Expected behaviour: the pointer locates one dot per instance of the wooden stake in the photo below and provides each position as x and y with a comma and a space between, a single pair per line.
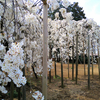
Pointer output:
45, 44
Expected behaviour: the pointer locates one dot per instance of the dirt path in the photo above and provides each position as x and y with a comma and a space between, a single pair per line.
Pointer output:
71, 91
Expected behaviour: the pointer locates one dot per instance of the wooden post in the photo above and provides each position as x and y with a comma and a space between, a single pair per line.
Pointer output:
84, 59
45, 54
11, 90
24, 87
62, 73
88, 62
73, 60
76, 56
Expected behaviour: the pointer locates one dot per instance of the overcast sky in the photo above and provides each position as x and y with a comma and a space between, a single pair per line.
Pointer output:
91, 8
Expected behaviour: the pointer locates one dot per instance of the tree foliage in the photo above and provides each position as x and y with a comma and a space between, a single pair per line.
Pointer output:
78, 12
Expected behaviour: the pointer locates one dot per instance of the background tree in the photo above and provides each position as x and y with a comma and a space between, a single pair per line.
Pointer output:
78, 12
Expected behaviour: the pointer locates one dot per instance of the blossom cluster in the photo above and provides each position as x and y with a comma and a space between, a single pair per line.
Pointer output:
2, 51
38, 95
61, 35
3, 82
13, 63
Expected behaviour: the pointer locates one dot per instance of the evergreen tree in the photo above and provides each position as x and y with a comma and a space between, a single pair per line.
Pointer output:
78, 12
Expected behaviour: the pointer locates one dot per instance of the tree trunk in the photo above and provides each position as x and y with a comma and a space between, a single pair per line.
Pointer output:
19, 93
84, 59
92, 58
98, 59
88, 62
24, 87
34, 71
50, 57
11, 90
55, 68
73, 60
62, 73
76, 56
68, 60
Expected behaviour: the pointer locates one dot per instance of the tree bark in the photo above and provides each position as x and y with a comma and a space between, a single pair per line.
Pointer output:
24, 87
55, 68
19, 93
68, 60
73, 60
11, 90
84, 59
50, 57
76, 56
88, 62
92, 58
98, 58
62, 73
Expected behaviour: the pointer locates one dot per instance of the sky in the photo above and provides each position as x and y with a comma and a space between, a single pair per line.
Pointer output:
91, 8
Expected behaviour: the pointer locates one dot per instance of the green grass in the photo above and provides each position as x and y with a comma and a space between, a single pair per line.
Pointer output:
54, 77
57, 77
